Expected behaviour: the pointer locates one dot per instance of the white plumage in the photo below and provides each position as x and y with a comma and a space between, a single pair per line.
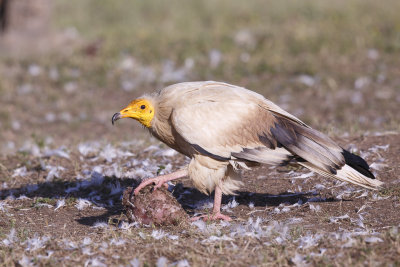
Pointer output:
224, 128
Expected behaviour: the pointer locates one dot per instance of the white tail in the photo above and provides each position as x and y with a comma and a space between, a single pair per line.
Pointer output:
347, 174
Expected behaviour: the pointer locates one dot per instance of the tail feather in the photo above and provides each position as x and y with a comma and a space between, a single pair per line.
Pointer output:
347, 174
357, 163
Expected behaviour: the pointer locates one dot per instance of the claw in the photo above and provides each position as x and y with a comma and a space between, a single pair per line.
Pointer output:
161, 180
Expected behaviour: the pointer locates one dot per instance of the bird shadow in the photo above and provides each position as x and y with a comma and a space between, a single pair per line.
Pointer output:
101, 191
192, 199
107, 193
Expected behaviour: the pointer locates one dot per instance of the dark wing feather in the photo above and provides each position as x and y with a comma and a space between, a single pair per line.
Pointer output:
308, 144
357, 163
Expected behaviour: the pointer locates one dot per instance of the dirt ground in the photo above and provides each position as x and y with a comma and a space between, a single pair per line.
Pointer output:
64, 167
282, 216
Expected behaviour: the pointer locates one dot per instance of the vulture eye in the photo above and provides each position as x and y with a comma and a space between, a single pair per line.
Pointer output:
142, 106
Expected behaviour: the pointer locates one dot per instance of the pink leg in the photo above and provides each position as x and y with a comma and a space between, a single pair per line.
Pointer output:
160, 180
216, 209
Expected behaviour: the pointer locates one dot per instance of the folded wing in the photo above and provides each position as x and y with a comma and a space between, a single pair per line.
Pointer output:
231, 123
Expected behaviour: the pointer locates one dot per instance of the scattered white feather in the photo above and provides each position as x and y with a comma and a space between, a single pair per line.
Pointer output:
173, 237
96, 262
43, 205
166, 152
376, 148
22, 171
11, 238
4, 185
204, 204
299, 260
364, 194
54, 172
215, 57
3, 206
158, 234
285, 209
358, 221
304, 176
100, 225
231, 204
361, 82
200, 224
60, 203
87, 251
363, 207
69, 245
251, 205
127, 226
320, 254
351, 242
59, 152
151, 148
48, 256
319, 186
181, 263
339, 218
36, 243
88, 148
309, 240
26, 261
109, 153
104, 246
365, 154
22, 197
86, 241
378, 166
142, 235
162, 262
117, 242
375, 196
31, 148
315, 208
306, 80
245, 38
214, 238
135, 262
82, 204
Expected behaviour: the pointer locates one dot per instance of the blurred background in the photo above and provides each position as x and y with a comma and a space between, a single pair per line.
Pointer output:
67, 66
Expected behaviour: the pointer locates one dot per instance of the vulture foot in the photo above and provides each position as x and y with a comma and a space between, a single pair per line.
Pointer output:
161, 180
213, 217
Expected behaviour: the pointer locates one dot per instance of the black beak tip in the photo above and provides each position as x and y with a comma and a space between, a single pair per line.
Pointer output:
115, 117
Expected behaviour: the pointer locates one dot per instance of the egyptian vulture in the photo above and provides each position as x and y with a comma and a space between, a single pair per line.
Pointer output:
224, 128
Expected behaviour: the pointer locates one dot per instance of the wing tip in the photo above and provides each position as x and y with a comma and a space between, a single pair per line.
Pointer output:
349, 174
357, 163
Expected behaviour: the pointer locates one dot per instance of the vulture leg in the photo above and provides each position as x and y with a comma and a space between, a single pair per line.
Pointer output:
216, 210
162, 179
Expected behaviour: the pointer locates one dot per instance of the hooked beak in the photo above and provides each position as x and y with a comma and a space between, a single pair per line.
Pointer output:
127, 112
116, 117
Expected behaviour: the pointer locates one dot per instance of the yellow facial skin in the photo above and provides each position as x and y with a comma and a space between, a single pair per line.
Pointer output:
140, 110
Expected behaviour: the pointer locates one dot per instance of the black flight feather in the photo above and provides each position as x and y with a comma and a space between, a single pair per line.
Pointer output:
357, 163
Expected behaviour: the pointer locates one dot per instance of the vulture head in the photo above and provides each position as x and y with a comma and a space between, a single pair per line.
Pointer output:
139, 109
